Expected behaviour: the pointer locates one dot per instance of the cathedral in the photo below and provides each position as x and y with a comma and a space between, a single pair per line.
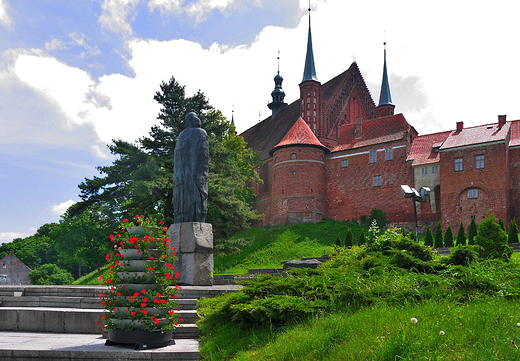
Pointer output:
334, 153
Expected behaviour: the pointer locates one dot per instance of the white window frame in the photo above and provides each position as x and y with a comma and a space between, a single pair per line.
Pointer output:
473, 193
389, 153
373, 156
344, 163
424, 170
377, 181
459, 164
480, 162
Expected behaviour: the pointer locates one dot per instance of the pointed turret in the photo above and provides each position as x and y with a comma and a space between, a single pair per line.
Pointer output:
277, 94
385, 106
310, 91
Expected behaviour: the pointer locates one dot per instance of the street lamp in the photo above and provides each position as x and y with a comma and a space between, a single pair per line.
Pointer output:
421, 196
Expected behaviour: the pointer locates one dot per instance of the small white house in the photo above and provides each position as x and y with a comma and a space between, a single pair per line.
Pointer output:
13, 271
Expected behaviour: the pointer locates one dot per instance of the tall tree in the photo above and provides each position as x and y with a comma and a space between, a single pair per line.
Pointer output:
140, 179
448, 237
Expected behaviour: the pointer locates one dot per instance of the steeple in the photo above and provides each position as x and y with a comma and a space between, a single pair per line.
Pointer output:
277, 94
385, 106
309, 72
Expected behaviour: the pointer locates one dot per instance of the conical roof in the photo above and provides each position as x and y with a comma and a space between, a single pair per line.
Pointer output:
299, 134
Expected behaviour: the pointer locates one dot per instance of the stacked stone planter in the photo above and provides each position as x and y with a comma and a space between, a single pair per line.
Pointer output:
138, 305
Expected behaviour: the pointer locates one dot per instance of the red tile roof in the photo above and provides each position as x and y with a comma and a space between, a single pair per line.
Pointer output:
476, 135
422, 148
376, 131
299, 134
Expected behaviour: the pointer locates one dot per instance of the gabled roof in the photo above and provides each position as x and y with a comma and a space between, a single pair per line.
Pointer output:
299, 134
476, 135
376, 131
422, 151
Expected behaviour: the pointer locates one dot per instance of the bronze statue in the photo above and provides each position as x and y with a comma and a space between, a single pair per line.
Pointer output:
190, 173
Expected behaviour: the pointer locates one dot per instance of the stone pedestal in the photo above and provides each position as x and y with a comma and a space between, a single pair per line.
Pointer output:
194, 244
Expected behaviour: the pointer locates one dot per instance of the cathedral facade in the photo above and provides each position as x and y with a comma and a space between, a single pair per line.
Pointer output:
335, 154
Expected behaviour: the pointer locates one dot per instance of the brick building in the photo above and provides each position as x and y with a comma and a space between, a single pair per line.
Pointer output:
334, 154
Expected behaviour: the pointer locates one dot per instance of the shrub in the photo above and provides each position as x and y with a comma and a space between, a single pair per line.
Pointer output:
338, 241
428, 240
349, 239
448, 237
379, 216
501, 223
464, 255
513, 232
461, 235
472, 232
50, 274
362, 238
439, 241
493, 240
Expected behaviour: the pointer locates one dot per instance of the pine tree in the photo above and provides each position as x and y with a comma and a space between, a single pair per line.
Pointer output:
461, 235
338, 241
428, 240
513, 232
361, 239
439, 241
472, 232
501, 223
349, 239
448, 237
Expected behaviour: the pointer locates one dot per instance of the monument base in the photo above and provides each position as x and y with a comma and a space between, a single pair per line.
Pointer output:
194, 244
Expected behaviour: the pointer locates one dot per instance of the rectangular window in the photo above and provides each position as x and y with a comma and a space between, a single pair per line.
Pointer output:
389, 153
424, 170
344, 163
377, 181
373, 156
458, 165
479, 162
435, 169
473, 193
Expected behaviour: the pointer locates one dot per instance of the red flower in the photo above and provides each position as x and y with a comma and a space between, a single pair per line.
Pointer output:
136, 294
181, 319
137, 216
161, 222
177, 274
150, 269
143, 304
163, 301
102, 303
143, 291
133, 313
125, 220
107, 256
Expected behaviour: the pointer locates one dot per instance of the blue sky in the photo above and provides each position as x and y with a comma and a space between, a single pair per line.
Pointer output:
76, 74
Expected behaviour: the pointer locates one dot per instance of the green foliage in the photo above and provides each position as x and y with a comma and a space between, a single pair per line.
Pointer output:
501, 223
448, 237
338, 241
428, 240
513, 232
349, 238
493, 239
439, 240
472, 232
461, 235
229, 246
50, 274
464, 255
362, 239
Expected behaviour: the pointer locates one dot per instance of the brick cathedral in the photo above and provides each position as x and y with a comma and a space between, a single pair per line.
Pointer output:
335, 154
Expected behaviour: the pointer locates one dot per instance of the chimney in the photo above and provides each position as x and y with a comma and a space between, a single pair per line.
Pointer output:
359, 130
460, 125
501, 121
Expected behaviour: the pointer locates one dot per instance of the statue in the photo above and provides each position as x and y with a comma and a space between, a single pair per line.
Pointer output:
190, 173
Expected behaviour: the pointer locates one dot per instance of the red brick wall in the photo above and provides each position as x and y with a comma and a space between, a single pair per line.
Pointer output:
492, 183
298, 191
350, 190
514, 174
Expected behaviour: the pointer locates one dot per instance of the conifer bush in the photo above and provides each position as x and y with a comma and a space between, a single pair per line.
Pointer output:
461, 235
472, 232
349, 239
501, 223
448, 237
338, 241
493, 239
513, 232
428, 240
362, 238
439, 241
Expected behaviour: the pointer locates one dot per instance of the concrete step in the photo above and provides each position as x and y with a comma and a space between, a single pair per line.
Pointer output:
70, 320
190, 292
23, 346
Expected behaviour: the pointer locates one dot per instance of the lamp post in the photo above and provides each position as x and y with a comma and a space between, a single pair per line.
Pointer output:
422, 196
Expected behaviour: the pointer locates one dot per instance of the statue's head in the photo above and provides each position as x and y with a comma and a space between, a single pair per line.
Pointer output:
192, 121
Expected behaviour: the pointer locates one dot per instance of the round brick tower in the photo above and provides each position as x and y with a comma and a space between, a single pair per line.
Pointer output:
298, 192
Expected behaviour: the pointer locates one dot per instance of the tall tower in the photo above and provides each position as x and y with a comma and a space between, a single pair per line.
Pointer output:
277, 94
385, 106
310, 91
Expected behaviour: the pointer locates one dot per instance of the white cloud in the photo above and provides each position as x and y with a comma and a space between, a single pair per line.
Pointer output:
198, 10
59, 209
114, 16
6, 237
5, 19
73, 39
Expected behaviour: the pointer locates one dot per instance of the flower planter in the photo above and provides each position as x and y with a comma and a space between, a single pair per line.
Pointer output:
139, 304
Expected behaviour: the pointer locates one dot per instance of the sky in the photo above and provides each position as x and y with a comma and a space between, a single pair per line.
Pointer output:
76, 74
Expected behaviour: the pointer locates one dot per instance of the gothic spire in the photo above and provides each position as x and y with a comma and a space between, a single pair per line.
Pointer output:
309, 72
384, 97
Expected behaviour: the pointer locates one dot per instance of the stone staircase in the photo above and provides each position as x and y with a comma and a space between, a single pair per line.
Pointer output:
35, 321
